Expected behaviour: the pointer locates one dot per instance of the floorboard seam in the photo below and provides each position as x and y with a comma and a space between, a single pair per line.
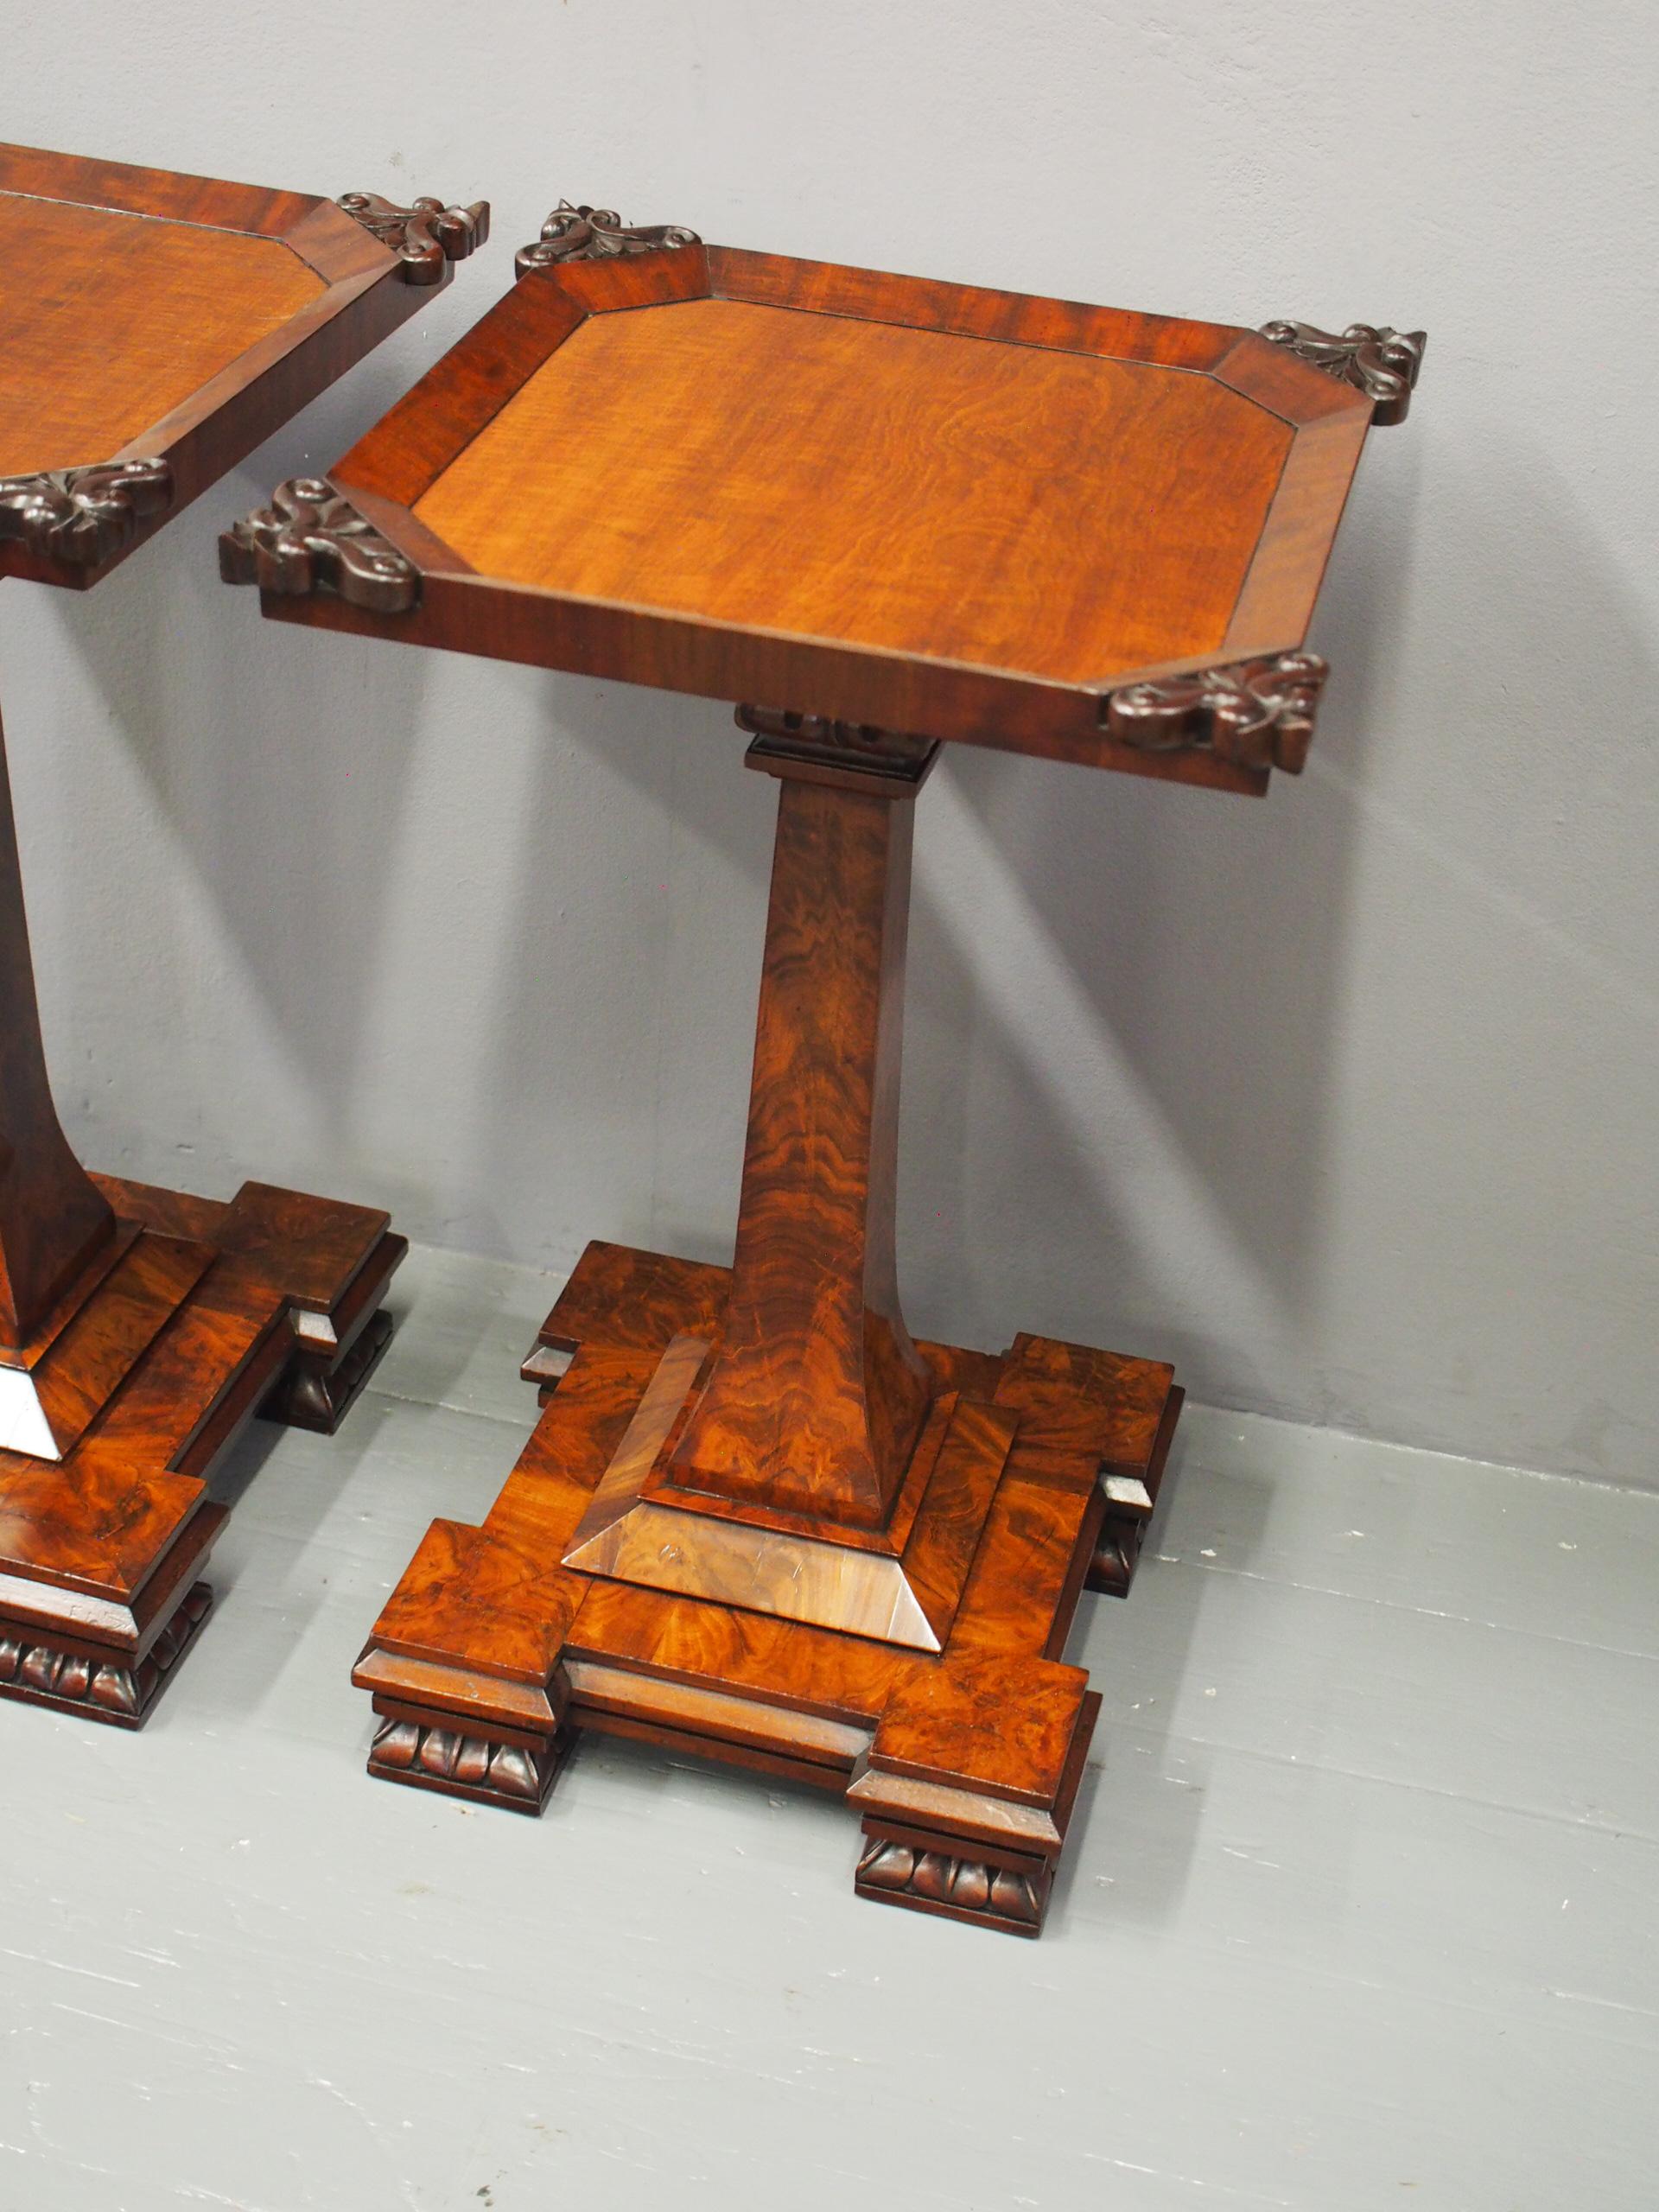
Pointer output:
1397, 1605
1626, 1834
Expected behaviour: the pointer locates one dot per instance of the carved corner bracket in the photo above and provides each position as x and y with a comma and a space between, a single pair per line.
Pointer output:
862, 754
423, 237
584, 233
1382, 363
84, 516
1257, 714
310, 539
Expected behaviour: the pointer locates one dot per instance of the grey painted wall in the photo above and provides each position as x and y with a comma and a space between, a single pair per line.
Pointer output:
1347, 1101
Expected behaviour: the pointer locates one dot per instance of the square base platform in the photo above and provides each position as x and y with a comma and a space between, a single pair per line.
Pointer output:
962, 1764
274, 1310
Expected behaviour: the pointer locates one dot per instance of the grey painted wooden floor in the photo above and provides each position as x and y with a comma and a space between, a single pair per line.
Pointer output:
1359, 1912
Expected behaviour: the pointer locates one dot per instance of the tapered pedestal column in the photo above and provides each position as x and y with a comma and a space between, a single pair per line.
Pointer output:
139, 1330
757, 1520
55, 1226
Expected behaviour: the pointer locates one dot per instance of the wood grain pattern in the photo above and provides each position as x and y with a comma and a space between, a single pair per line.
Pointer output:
785, 1534
212, 203
994, 505
175, 320
99, 1549
1283, 583
967, 310
53, 1220
59, 403
901, 1586
983, 1725
467, 614
819, 1397
140, 1329
864, 496
57, 1397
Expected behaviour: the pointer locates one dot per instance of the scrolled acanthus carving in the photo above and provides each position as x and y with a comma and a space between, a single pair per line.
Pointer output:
310, 539
584, 233
84, 516
1382, 363
424, 236
1257, 714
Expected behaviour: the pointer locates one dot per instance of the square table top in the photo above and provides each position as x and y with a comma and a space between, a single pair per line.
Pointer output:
955, 512
157, 327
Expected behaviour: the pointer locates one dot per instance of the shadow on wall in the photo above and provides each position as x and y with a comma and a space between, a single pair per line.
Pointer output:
289, 821
703, 884
1199, 939
1204, 947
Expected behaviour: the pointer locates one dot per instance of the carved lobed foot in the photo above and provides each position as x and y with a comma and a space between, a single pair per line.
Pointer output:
482, 1767
317, 1397
43, 1673
1010, 1898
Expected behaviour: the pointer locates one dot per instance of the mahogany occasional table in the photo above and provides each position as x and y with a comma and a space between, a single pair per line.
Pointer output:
157, 327
757, 1520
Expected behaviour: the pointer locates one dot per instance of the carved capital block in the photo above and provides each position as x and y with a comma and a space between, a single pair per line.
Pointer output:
84, 516
1257, 714
310, 539
585, 233
424, 236
859, 754
1382, 363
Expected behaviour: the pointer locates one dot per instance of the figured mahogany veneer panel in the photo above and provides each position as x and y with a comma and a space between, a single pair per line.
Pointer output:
173, 303
913, 491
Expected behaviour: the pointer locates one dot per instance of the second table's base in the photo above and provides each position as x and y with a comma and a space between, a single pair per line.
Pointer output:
962, 1764
102, 1550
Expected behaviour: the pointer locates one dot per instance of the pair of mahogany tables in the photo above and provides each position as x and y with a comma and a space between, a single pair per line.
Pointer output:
757, 1519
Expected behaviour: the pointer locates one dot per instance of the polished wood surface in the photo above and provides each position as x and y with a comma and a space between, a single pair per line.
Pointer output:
490, 1651
819, 1397
102, 1549
172, 303
157, 327
871, 497
169, 323
757, 1521
53, 1221
969, 501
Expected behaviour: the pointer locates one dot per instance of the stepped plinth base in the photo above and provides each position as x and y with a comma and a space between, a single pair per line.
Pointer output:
205, 1314
962, 1762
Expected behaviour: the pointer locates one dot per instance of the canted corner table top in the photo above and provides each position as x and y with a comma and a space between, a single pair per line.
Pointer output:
965, 513
156, 326
905, 490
